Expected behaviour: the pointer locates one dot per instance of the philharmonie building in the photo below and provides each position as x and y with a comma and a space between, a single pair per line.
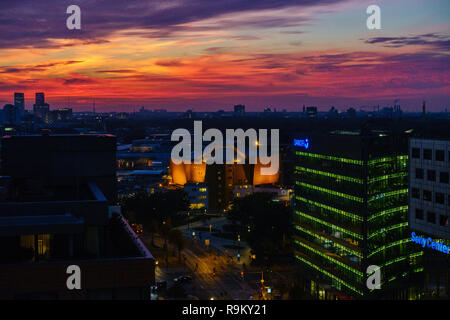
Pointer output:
222, 180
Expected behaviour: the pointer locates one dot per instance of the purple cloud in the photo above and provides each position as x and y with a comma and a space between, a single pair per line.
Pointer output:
436, 41
35, 68
27, 23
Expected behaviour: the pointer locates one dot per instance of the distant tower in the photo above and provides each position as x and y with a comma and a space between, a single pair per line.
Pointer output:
239, 109
40, 98
41, 108
424, 109
19, 101
93, 107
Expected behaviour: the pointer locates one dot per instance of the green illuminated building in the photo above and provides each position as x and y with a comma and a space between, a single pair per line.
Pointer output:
350, 212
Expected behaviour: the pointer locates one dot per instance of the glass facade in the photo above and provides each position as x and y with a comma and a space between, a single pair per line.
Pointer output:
352, 212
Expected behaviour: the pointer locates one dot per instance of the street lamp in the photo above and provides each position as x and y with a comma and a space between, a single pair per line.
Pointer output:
189, 220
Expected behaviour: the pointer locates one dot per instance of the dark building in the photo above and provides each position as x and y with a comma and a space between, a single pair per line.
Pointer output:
10, 114
311, 112
58, 208
429, 209
19, 101
351, 212
40, 108
40, 98
239, 110
58, 115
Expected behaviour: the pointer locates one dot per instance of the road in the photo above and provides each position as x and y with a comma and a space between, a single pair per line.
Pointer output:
200, 265
216, 242
201, 262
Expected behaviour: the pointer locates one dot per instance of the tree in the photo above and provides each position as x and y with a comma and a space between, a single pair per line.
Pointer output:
177, 238
158, 206
269, 221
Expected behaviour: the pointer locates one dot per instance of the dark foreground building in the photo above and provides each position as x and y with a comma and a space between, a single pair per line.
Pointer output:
58, 208
351, 212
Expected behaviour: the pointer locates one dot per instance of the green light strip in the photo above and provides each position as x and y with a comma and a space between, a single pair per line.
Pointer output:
412, 255
318, 236
342, 265
355, 235
388, 176
312, 265
324, 206
399, 242
375, 161
385, 212
382, 230
389, 194
329, 174
393, 278
321, 156
332, 192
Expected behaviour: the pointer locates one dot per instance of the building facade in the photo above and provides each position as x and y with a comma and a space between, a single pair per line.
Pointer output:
429, 210
351, 212
58, 208
429, 187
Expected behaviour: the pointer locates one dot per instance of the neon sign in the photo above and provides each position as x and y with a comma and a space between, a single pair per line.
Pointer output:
438, 246
301, 143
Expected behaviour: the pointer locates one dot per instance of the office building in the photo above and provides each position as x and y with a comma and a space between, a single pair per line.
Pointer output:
429, 195
40, 108
9, 115
351, 212
40, 98
198, 195
239, 110
429, 209
58, 209
19, 101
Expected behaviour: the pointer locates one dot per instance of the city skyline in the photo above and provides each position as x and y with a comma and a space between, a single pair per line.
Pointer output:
197, 55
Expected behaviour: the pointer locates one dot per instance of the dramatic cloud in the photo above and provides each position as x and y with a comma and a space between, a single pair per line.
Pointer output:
31, 23
35, 68
204, 54
436, 41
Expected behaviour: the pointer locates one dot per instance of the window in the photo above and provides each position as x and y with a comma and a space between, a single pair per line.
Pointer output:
443, 220
431, 175
419, 173
427, 154
415, 153
431, 217
419, 214
427, 195
443, 177
439, 155
415, 193
439, 197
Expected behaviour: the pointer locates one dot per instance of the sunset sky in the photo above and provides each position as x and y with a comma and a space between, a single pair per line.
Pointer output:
207, 55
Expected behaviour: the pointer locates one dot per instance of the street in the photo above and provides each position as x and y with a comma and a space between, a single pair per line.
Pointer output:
215, 270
